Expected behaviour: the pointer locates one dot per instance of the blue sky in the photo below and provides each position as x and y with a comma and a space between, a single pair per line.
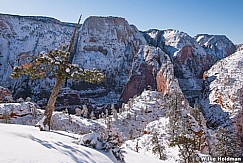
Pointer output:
190, 16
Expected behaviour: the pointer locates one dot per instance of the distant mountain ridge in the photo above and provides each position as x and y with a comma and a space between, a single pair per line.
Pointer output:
130, 58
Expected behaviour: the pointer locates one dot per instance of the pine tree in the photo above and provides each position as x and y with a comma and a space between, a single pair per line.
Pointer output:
123, 109
185, 141
146, 109
181, 134
129, 116
174, 114
129, 103
28, 99
227, 145
6, 116
158, 147
131, 132
56, 64
78, 112
20, 100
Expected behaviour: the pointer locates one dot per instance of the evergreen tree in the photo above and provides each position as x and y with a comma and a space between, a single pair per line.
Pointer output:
6, 116
131, 132
181, 134
123, 109
28, 99
78, 112
158, 147
55, 64
227, 144
174, 114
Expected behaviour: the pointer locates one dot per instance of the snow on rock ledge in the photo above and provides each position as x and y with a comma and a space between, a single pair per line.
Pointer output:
218, 46
223, 92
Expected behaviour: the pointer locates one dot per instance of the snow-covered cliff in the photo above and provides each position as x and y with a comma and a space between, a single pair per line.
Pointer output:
130, 59
219, 46
26, 34
222, 99
109, 44
191, 56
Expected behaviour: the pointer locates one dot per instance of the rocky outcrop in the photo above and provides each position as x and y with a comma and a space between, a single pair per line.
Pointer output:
5, 94
23, 37
109, 44
165, 76
239, 47
190, 56
116, 48
222, 94
218, 46
146, 64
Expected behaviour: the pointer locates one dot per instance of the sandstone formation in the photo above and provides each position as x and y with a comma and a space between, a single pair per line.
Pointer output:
222, 94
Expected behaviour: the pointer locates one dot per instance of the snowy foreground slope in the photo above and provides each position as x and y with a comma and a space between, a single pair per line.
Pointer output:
21, 143
27, 144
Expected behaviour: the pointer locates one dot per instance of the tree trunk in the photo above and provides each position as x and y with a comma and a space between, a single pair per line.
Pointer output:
51, 104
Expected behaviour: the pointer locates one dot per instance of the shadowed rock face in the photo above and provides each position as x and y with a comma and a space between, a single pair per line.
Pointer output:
146, 65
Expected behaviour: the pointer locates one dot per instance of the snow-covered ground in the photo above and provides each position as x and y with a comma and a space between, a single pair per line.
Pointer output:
134, 127
20, 143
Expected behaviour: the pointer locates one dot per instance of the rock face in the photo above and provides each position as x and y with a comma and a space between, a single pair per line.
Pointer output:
219, 46
107, 43
222, 94
4, 94
120, 50
190, 56
146, 65
129, 58
239, 47
165, 76
23, 34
